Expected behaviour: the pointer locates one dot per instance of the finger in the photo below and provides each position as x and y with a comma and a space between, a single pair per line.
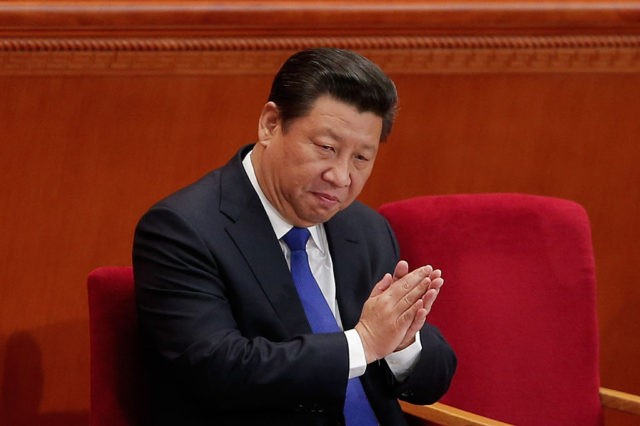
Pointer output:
418, 322
409, 281
411, 296
402, 269
382, 285
436, 273
429, 298
405, 291
428, 269
436, 283
406, 319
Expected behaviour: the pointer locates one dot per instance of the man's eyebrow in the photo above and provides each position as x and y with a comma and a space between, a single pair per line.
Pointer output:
328, 131
370, 147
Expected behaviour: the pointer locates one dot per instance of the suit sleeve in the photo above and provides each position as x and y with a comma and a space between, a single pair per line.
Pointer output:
184, 311
430, 378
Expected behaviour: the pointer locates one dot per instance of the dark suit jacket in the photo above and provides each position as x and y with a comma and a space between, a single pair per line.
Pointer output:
228, 341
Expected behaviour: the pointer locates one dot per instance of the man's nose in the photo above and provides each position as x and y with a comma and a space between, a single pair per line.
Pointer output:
339, 174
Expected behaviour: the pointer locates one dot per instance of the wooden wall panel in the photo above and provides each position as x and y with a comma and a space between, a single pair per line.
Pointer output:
106, 107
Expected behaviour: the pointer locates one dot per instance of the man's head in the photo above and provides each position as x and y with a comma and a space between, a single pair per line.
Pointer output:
342, 74
318, 135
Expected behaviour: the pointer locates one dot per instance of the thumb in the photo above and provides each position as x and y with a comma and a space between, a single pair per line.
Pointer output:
382, 285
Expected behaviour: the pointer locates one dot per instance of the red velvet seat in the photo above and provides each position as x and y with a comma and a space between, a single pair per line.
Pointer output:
518, 305
118, 393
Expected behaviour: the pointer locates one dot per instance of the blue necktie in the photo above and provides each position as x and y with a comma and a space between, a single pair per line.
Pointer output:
357, 411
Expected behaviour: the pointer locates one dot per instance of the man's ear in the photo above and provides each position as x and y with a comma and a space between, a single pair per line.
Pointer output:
269, 122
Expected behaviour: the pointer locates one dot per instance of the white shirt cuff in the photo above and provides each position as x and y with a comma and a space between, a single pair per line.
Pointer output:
357, 358
402, 362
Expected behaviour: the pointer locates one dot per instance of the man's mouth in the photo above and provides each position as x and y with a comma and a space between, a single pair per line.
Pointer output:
327, 198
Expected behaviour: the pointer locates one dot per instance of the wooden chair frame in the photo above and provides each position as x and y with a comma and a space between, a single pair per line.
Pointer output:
443, 414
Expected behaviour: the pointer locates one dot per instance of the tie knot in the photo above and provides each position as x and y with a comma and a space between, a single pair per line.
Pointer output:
296, 238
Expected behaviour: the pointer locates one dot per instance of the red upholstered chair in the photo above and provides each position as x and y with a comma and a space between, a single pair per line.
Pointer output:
118, 393
518, 306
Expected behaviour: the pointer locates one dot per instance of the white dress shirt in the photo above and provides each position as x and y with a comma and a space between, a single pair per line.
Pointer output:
321, 266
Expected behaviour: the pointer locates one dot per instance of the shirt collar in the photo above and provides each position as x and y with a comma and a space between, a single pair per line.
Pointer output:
278, 223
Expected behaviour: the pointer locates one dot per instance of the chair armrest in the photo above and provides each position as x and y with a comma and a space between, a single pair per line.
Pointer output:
446, 415
620, 400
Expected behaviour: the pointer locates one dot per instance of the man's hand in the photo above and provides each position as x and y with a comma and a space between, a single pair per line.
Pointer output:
402, 268
397, 309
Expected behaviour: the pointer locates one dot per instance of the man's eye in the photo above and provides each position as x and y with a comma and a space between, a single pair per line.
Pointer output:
361, 158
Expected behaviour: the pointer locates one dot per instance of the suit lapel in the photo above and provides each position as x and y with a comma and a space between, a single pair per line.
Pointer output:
253, 235
346, 255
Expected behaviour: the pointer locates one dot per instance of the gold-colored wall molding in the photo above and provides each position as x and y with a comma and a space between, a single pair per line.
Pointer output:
260, 55
253, 37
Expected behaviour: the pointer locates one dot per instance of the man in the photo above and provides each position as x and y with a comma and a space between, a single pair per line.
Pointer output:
232, 335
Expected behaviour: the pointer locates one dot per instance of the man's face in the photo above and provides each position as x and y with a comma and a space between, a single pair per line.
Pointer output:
320, 164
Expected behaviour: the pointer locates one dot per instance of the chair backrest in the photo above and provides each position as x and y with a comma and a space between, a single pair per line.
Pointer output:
518, 305
118, 393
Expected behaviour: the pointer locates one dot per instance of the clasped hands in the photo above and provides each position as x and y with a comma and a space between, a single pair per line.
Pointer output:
397, 309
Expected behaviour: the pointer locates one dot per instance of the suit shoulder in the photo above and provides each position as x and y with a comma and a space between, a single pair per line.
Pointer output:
193, 199
365, 222
192, 206
359, 213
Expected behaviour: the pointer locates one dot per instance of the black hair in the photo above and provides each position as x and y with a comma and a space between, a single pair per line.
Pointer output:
342, 74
